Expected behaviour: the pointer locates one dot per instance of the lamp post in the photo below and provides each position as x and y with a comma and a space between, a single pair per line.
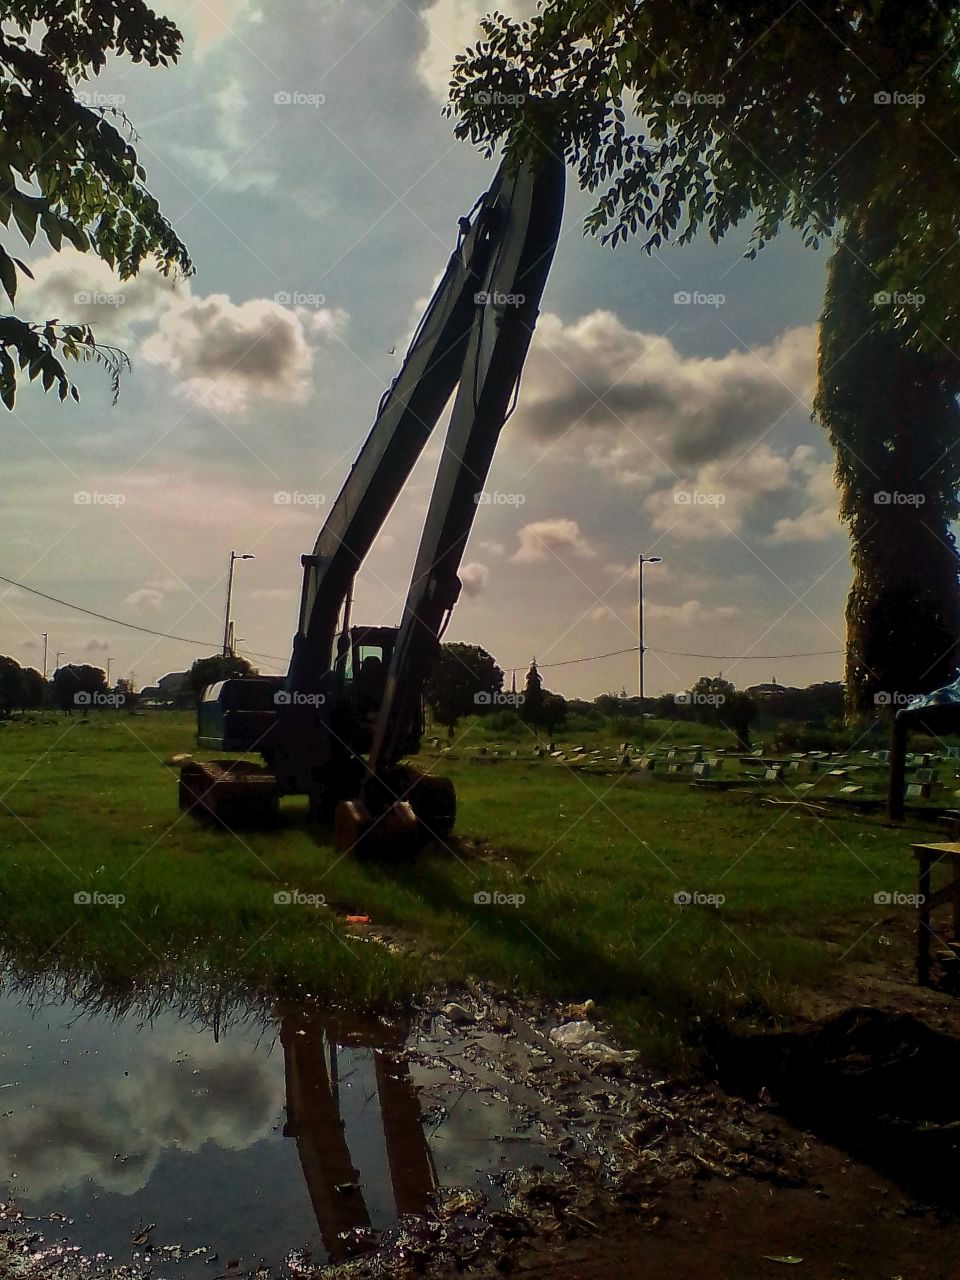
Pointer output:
60, 653
227, 638
641, 561
109, 664
43, 636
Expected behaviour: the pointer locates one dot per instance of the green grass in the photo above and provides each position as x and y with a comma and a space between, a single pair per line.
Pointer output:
87, 805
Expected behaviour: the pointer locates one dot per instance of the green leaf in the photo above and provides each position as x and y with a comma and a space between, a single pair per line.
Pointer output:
8, 275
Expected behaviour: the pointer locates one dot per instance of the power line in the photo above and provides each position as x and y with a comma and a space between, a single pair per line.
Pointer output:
747, 657
541, 666
131, 626
675, 653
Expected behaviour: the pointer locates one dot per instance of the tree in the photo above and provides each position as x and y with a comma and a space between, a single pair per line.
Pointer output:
208, 671
541, 708
128, 693
823, 114
68, 172
898, 470
531, 710
11, 686
464, 681
77, 687
554, 712
718, 701
34, 688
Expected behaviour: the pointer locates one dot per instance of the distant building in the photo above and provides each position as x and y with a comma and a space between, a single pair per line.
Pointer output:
169, 691
761, 692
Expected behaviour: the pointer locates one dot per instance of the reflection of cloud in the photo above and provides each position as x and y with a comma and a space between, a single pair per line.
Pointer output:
546, 538
56, 1145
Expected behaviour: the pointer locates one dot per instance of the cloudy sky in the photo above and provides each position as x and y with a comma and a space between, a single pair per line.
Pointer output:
318, 226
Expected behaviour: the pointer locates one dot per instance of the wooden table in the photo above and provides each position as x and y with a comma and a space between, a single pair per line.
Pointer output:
929, 856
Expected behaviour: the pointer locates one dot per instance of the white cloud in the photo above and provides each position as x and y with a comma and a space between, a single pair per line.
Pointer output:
820, 520
145, 597
154, 592
639, 408
690, 611
451, 26
205, 22
223, 353
475, 578
749, 497
545, 539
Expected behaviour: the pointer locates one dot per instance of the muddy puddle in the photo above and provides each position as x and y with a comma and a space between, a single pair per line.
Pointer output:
289, 1130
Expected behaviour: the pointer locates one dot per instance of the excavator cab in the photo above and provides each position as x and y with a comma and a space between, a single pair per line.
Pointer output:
361, 668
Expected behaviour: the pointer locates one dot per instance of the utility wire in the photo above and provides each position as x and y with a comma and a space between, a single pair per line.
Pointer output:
541, 666
675, 653
131, 626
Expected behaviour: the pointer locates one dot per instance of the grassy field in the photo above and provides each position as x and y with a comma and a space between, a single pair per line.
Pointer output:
786, 899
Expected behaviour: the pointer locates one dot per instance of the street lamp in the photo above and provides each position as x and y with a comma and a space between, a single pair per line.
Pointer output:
43, 636
60, 653
641, 561
227, 639
109, 664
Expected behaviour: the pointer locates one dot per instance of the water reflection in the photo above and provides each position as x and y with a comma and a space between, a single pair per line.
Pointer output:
283, 1131
354, 1114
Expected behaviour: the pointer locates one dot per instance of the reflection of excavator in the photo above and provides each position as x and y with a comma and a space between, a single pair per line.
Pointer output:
351, 705
355, 1159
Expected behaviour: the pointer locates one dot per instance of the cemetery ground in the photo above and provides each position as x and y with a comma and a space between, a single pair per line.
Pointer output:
729, 935
686, 909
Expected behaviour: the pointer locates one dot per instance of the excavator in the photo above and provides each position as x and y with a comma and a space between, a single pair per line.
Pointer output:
339, 725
